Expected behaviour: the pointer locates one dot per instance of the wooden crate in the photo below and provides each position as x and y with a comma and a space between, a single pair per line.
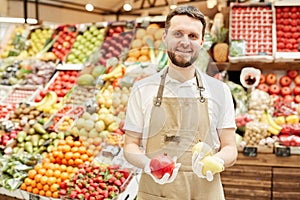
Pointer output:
286, 183
247, 182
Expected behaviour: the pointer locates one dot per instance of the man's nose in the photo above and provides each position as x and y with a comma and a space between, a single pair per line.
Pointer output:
185, 40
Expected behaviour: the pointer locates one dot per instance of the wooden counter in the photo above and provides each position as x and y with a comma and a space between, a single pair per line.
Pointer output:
263, 177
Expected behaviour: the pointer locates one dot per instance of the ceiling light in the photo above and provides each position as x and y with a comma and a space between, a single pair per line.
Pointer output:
127, 7
89, 7
211, 3
172, 4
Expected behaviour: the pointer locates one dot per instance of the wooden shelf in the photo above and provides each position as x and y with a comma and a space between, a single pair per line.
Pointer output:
260, 65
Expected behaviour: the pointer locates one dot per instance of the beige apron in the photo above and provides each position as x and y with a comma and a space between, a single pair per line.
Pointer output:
176, 125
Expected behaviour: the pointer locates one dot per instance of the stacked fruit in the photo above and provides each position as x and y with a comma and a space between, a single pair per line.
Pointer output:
16, 43
46, 177
65, 38
85, 44
282, 88
116, 43
38, 38
287, 28
140, 49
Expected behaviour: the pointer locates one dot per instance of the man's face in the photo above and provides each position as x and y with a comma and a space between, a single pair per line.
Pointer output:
183, 40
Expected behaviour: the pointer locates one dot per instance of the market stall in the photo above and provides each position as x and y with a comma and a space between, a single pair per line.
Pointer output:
64, 91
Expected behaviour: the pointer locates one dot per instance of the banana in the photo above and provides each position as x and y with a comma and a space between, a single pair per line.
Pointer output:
273, 130
273, 123
42, 102
264, 118
50, 99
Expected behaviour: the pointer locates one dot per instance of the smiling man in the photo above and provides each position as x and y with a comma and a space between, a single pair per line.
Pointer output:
171, 111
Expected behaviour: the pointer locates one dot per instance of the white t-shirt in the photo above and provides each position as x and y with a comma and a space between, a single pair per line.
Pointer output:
220, 102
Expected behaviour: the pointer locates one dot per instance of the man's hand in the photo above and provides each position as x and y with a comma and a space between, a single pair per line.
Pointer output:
166, 178
206, 166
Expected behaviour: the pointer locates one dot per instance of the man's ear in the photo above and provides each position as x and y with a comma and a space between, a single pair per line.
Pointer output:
164, 37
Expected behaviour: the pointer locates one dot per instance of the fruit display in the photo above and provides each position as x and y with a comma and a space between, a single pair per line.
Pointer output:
106, 182
282, 87
117, 41
86, 43
38, 38
251, 30
11, 74
287, 31
16, 45
80, 94
147, 45
4, 91
21, 94
64, 37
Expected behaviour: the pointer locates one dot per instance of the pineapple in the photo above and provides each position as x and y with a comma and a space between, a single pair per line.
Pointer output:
220, 49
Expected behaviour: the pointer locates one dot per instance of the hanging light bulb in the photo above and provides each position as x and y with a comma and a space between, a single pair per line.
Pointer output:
211, 3
128, 5
89, 7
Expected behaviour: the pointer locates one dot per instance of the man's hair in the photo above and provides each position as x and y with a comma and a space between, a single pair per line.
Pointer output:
190, 11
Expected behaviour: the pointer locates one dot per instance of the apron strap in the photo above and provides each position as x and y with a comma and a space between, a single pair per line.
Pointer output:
158, 99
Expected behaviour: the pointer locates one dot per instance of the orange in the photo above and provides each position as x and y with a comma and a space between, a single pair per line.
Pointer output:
82, 149
42, 193
62, 142
64, 161
49, 172
64, 176
66, 148
74, 149
29, 189
23, 186
46, 187
44, 180
38, 167
27, 181
51, 180
71, 162
76, 155
55, 154
42, 171
69, 169
32, 173
57, 173
77, 144
69, 155
78, 162
55, 194
33, 184
35, 191
84, 157
48, 193
63, 168
39, 186
70, 143
54, 187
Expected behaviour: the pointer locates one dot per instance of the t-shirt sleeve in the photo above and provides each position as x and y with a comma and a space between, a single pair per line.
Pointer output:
134, 114
227, 116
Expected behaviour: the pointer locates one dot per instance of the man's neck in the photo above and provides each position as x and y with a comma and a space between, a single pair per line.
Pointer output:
181, 74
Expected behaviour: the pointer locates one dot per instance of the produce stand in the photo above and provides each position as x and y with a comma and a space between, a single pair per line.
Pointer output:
74, 81
265, 176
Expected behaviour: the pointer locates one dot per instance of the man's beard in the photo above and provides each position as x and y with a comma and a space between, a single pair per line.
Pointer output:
183, 63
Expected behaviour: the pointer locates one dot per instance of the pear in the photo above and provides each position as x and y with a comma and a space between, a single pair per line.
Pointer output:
209, 163
202, 147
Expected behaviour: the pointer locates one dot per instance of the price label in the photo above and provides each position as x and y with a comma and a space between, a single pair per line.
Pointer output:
283, 151
33, 197
250, 151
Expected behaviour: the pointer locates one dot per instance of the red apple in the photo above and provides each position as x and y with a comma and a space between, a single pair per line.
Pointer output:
297, 98
297, 80
262, 78
296, 90
271, 78
285, 81
288, 99
274, 89
286, 91
161, 164
264, 87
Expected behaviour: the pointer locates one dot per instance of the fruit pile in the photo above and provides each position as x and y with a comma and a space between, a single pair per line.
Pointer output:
282, 87
287, 28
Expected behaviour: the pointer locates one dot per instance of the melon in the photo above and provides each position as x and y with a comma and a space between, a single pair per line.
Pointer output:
86, 80
98, 70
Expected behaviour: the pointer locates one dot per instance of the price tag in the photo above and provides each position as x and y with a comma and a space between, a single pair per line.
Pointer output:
33, 197
283, 151
250, 151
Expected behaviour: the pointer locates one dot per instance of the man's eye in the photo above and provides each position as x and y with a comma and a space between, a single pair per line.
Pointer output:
193, 36
177, 34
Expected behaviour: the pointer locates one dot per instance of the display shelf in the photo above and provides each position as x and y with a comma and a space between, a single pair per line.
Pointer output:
260, 65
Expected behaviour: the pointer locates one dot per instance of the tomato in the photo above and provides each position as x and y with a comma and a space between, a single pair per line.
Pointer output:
72, 79
57, 87
38, 98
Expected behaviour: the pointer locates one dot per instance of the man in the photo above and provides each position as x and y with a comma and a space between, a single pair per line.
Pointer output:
171, 111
